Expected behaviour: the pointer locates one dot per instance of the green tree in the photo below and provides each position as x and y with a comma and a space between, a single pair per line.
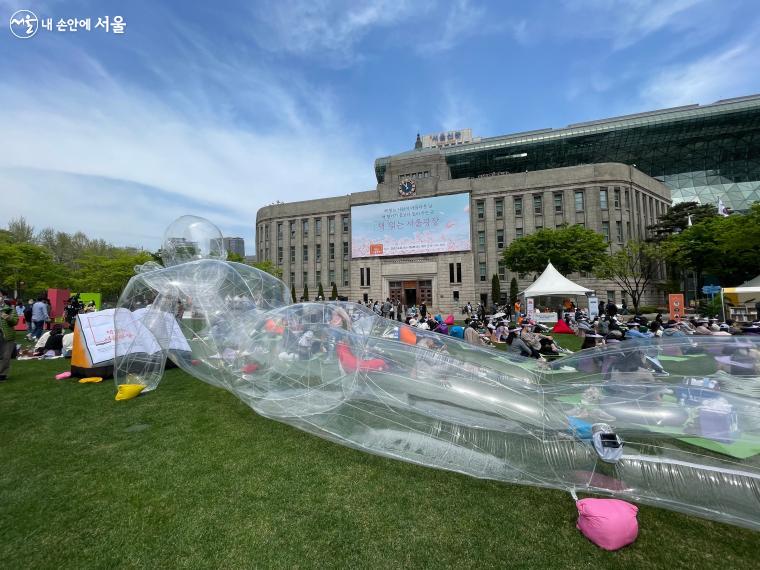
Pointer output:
305, 292
236, 257
31, 265
633, 268
20, 230
570, 249
107, 275
269, 267
513, 291
676, 219
334, 294
495, 289
321, 292
293, 292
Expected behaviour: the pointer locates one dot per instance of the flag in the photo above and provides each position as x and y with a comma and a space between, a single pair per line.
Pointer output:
722, 208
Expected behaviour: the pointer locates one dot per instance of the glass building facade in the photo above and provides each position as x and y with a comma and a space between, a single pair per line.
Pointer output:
702, 152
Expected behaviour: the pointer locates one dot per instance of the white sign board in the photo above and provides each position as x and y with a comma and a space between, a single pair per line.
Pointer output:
593, 307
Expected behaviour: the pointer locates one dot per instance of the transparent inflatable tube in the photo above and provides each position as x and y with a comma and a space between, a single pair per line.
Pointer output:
340, 372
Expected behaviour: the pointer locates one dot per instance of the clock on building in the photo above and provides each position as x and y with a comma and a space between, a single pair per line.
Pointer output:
407, 188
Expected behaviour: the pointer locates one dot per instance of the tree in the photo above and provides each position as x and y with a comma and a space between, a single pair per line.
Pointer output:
495, 289
30, 264
320, 292
20, 230
633, 268
107, 275
293, 292
235, 257
513, 291
334, 294
570, 249
305, 292
269, 267
676, 219
727, 247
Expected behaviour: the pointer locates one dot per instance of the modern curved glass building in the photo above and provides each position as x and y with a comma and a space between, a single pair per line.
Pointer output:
702, 152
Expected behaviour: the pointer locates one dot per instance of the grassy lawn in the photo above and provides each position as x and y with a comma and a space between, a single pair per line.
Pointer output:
188, 476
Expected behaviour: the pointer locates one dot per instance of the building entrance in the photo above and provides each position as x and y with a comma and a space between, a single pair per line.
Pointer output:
411, 292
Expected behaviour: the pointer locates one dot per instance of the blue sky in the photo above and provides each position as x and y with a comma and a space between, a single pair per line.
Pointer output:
216, 109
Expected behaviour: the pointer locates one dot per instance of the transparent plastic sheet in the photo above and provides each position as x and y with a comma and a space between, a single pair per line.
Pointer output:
687, 409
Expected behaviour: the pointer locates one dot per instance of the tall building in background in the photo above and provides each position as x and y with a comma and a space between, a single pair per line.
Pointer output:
235, 245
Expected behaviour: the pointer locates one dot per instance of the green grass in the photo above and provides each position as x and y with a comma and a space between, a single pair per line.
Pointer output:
188, 476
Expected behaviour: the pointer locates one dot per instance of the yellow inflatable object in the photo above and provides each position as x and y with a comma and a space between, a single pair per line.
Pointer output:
90, 380
128, 391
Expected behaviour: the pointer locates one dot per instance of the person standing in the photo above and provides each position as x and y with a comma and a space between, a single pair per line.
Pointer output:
39, 316
399, 314
8, 320
423, 310
387, 307
28, 319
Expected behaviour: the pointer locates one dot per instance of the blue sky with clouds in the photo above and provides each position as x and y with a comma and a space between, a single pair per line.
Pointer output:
218, 108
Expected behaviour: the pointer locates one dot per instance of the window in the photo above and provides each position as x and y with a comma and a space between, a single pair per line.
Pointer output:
361, 277
481, 208
539, 227
616, 197
481, 241
611, 296
451, 273
279, 255
518, 206
345, 251
538, 204
266, 232
456, 295
499, 208
318, 277
579, 201
628, 230
318, 253
603, 197
331, 224
619, 227
345, 277
279, 230
558, 205
500, 239
305, 278
331, 251
292, 254
292, 229
459, 272
318, 226
292, 278
518, 233
502, 271
606, 231
305, 253
344, 221
482, 271
331, 274
305, 228
366, 274
627, 199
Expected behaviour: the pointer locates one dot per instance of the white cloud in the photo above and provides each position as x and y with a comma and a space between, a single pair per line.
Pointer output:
457, 111
462, 20
93, 149
720, 75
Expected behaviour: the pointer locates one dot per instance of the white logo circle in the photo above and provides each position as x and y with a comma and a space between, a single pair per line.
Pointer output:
24, 24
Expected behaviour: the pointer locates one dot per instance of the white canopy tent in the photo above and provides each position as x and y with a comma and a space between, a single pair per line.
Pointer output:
742, 299
553, 283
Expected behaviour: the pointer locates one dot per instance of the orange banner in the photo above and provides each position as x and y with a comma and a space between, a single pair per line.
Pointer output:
675, 306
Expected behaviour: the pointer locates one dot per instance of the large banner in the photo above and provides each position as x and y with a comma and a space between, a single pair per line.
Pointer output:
408, 227
593, 307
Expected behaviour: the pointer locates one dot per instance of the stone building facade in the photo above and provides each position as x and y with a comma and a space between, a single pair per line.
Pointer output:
311, 240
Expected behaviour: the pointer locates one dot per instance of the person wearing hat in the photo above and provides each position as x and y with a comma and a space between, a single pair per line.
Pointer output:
8, 320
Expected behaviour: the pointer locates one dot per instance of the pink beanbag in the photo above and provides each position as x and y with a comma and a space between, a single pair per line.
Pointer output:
63, 375
609, 523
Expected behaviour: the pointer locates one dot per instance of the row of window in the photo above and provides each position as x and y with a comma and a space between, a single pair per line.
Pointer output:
423, 174
317, 253
318, 278
364, 277
305, 225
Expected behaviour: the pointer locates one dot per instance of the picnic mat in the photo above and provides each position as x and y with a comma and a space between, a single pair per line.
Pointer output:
745, 446
667, 358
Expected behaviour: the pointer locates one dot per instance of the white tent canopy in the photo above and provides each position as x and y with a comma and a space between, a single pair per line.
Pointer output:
751, 286
552, 282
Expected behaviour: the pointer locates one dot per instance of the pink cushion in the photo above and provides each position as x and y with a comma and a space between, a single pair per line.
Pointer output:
608, 523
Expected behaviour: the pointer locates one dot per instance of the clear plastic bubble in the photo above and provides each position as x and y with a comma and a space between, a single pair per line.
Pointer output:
189, 238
